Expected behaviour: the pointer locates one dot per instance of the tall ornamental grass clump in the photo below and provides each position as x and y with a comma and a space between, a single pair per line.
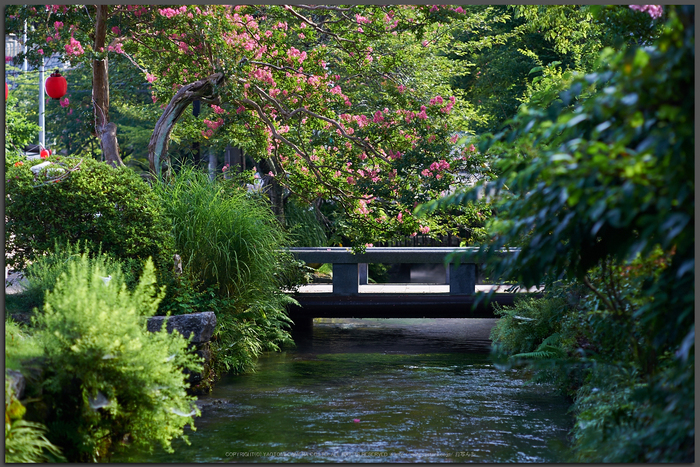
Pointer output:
233, 252
107, 380
225, 236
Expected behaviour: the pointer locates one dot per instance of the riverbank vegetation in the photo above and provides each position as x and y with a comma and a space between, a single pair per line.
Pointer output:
596, 188
96, 378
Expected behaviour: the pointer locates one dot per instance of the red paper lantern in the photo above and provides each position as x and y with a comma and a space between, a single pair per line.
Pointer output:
44, 153
7, 90
56, 85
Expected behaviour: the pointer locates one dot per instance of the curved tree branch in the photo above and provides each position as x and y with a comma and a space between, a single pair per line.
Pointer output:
203, 89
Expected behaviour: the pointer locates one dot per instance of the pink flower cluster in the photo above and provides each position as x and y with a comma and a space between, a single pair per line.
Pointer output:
116, 48
150, 78
655, 11
169, 12
214, 125
440, 166
74, 48
294, 53
217, 110
64, 102
394, 155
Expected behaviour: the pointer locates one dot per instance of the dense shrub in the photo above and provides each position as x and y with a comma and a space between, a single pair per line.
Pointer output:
107, 380
96, 204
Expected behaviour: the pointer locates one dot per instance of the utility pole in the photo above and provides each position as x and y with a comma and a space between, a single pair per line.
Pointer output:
42, 97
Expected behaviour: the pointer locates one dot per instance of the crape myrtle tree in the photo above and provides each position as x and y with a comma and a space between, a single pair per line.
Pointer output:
320, 94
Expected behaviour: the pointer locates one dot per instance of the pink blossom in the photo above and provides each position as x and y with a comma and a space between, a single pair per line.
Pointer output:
74, 47
361, 19
424, 229
49, 39
459, 9
116, 30
351, 180
400, 217
401, 88
217, 109
655, 11
64, 102
40, 52
367, 245
58, 25
150, 78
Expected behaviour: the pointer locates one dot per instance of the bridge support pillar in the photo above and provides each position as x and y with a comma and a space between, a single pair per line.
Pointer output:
345, 278
364, 273
462, 278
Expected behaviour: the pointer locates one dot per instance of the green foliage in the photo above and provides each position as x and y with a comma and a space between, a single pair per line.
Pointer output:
303, 225
19, 345
19, 130
225, 237
25, 442
242, 336
620, 419
234, 263
597, 187
524, 326
107, 379
109, 209
41, 275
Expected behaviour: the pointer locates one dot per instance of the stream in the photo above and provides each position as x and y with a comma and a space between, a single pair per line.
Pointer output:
378, 390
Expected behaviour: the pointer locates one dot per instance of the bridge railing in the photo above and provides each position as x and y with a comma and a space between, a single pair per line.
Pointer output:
350, 270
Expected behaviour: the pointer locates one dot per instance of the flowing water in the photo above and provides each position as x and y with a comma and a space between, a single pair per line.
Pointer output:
417, 390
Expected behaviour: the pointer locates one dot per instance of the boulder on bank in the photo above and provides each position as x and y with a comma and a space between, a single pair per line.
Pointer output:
199, 325
17, 382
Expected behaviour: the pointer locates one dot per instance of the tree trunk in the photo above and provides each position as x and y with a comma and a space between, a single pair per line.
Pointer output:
273, 189
204, 90
106, 131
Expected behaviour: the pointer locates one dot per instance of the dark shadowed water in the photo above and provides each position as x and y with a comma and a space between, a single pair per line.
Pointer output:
417, 390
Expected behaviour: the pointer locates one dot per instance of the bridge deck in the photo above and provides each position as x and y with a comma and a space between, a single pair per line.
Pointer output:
403, 288
399, 301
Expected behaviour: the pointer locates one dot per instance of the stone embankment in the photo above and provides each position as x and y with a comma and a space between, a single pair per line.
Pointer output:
201, 327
